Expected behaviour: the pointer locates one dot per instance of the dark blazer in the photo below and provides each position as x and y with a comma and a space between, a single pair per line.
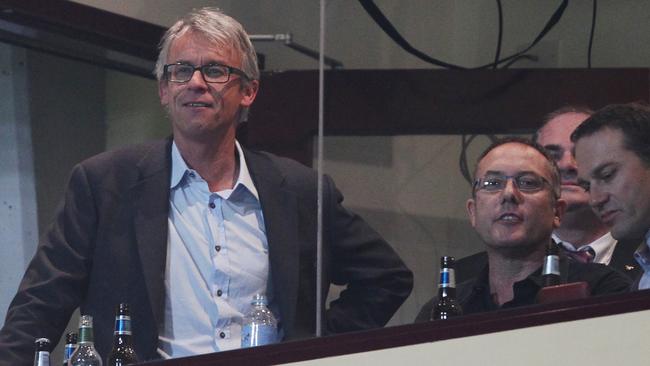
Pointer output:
108, 244
623, 258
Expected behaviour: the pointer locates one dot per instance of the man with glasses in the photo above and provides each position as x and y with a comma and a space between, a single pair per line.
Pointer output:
188, 230
515, 207
613, 154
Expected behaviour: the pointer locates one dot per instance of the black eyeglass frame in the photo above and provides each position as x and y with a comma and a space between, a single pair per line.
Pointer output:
231, 70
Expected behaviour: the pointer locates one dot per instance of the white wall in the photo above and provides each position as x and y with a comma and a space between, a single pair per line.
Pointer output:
611, 340
18, 218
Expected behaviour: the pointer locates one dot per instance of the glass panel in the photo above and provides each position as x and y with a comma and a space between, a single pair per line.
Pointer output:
403, 134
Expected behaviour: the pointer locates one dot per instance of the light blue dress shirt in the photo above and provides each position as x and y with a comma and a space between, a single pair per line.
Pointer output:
642, 255
217, 260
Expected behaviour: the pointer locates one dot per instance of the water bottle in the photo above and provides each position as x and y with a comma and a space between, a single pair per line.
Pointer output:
85, 355
259, 326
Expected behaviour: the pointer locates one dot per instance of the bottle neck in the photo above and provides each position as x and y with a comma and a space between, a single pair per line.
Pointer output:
42, 358
551, 265
86, 335
551, 270
122, 333
447, 285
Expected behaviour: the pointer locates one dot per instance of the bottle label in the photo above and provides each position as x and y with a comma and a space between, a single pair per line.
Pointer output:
43, 358
86, 334
447, 278
69, 350
257, 335
551, 265
123, 325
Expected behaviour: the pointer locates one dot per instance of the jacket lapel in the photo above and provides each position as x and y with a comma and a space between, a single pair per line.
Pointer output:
623, 258
279, 207
151, 204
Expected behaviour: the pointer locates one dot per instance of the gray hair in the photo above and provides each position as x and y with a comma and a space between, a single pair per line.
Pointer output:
217, 27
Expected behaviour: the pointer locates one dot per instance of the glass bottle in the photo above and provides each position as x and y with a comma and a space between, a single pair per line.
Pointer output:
551, 268
447, 305
42, 356
259, 326
85, 355
70, 347
122, 352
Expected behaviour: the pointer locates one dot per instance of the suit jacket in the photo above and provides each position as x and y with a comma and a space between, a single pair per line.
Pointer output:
623, 258
108, 245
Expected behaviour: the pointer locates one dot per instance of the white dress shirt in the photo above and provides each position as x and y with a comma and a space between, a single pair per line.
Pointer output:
217, 260
603, 247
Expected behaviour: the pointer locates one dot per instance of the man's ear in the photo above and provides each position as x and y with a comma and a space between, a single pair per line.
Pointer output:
249, 92
560, 208
471, 211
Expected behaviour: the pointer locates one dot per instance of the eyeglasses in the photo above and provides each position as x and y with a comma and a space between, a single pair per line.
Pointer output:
212, 73
528, 182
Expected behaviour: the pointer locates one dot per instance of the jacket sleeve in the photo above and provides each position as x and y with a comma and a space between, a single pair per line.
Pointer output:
377, 281
55, 279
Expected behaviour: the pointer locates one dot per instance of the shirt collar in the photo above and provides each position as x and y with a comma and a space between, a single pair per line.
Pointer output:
603, 247
180, 169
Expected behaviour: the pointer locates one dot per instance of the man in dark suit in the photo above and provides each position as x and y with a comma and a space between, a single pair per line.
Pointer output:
189, 229
581, 231
613, 153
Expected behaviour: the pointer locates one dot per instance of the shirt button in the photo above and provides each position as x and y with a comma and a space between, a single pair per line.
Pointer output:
217, 248
222, 335
212, 205
219, 292
192, 175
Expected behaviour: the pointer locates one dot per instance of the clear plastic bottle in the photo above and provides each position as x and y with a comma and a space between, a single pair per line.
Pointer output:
42, 356
85, 355
259, 326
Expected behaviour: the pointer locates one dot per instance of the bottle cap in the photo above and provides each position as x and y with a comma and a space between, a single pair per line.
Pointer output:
122, 308
42, 343
447, 261
71, 338
259, 299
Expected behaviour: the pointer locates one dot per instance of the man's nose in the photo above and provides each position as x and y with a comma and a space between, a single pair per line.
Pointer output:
597, 197
197, 80
568, 162
511, 192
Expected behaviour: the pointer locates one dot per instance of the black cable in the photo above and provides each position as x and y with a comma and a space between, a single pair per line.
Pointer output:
383, 22
519, 58
555, 18
500, 36
591, 34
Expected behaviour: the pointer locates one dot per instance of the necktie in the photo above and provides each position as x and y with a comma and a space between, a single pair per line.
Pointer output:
583, 255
